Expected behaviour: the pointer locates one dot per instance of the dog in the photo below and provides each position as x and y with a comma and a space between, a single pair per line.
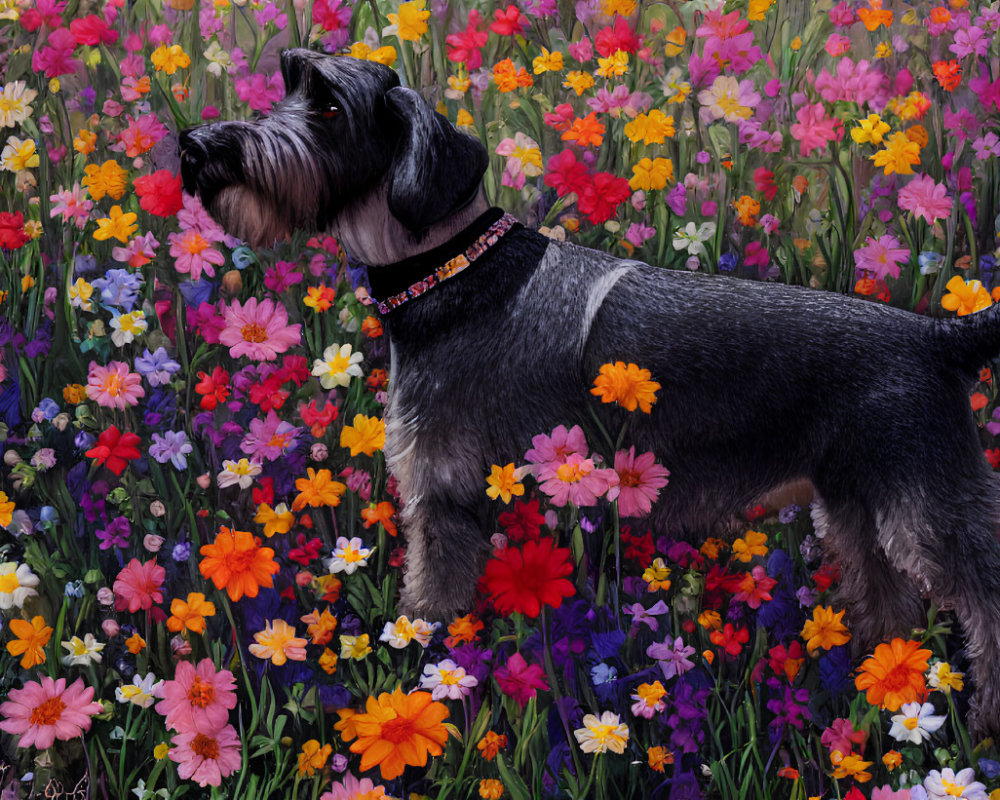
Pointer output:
762, 384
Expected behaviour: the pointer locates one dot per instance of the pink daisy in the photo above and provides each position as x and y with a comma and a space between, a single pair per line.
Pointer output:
258, 330
578, 481
881, 257
925, 198
351, 788
194, 253
114, 386
548, 453
206, 757
198, 699
44, 711
639, 482
138, 585
141, 134
814, 129
269, 438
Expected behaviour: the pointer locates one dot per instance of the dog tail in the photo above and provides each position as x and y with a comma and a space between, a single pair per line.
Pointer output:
970, 342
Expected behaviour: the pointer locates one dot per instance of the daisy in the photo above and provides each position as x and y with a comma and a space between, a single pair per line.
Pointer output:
139, 585
269, 438
258, 330
598, 735
548, 453
579, 482
348, 556
881, 257
447, 680
916, 723
198, 698
337, 366
194, 254
926, 199
17, 584
240, 472
142, 692
206, 758
639, 482
946, 784
114, 385
82, 652
41, 712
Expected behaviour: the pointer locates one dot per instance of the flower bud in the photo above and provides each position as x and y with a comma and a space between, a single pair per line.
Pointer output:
319, 452
232, 282
110, 628
157, 509
105, 596
152, 542
12, 458
204, 481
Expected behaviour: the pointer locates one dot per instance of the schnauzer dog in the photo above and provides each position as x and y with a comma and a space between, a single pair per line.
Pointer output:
497, 333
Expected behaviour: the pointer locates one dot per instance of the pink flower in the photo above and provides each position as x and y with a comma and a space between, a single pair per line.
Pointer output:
519, 680
842, 736
194, 253
837, 45
260, 91
548, 453
881, 257
582, 50
852, 81
198, 699
925, 198
72, 204
258, 330
639, 482
141, 134
206, 757
269, 438
970, 40
114, 386
814, 129
41, 712
578, 481
138, 586
350, 788
888, 793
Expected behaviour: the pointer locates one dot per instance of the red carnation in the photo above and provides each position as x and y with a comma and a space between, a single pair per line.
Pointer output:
160, 193
92, 30
599, 199
507, 22
524, 580
566, 174
524, 523
12, 235
465, 45
620, 37
115, 449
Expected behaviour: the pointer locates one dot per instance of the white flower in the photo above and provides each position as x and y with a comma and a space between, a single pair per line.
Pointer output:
142, 691
17, 584
946, 785
240, 472
82, 651
447, 680
125, 327
349, 556
693, 237
337, 366
598, 735
915, 724
15, 100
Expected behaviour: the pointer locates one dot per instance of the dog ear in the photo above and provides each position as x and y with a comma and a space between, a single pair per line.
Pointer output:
436, 168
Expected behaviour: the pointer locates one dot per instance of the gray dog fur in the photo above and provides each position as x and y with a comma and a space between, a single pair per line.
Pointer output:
761, 383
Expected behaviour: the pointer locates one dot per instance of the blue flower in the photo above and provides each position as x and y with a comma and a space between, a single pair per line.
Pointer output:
834, 671
157, 367
989, 768
48, 407
727, 262
196, 292
119, 288
172, 446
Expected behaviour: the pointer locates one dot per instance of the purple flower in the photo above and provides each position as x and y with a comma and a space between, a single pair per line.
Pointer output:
157, 367
790, 709
115, 534
119, 287
640, 613
677, 199
172, 446
672, 656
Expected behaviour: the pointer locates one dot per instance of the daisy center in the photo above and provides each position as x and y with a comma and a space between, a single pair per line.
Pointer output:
910, 723
48, 713
254, 333
113, 384
201, 694
952, 789
398, 730
205, 746
629, 478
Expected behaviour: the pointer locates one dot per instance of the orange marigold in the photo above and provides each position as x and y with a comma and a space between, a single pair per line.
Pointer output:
399, 730
894, 675
317, 490
628, 386
237, 563
189, 614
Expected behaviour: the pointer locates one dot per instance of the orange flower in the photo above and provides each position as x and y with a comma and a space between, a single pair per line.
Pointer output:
399, 730
948, 74
135, 643
319, 298
365, 435
825, 629
346, 725
790, 773
30, 642
585, 131
278, 643
380, 514
747, 210
894, 675
371, 327
317, 490
190, 614
659, 757
628, 386
313, 757
238, 564
463, 629
875, 16
320, 626
491, 744
892, 759
505, 75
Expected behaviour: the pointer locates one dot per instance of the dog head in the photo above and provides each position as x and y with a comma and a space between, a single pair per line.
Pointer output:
346, 135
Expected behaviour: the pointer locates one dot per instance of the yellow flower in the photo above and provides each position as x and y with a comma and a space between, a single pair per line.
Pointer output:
74, 394
578, 81
627, 385
366, 435
710, 620
26, 283
383, 55
942, 678
328, 661
275, 520
651, 128
411, 21
899, 156
85, 142
503, 483
623, 7
160, 751
657, 575
796, 43
355, 647
313, 757
108, 179
170, 59
15, 103
850, 766
883, 50
119, 225
30, 642
464, 119
19, 154
547, 62
651, 174
6, 510
601, 734
675, 42
870, 130
749, 546
892, 759
965, 297
757, 9
825, 630
614, 66
278, 643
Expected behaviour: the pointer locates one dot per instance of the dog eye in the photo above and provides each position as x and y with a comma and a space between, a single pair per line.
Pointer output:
330, 111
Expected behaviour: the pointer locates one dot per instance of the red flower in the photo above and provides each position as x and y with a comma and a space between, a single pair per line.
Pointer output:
730, 639
524, 580
268, 394
638, 548
566, 174
465, 45
12, 235
307, 550
524, 523
294, 368
92, 30
115, 449
764, 182
620, 37
825, 576
318, 418
507, 22
160, 193
599, 199
560, 118
213, 388
263, 492
993, 456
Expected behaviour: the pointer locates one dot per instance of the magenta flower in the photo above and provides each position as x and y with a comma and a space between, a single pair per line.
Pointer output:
969, 41
260, 91
41, 712
640, 479
139, 585
141, 134
881, 257
925, 198
269, 438
258, 330
520, 680
548, 453
814, 129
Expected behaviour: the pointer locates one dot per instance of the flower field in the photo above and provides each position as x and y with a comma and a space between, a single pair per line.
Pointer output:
199, 554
